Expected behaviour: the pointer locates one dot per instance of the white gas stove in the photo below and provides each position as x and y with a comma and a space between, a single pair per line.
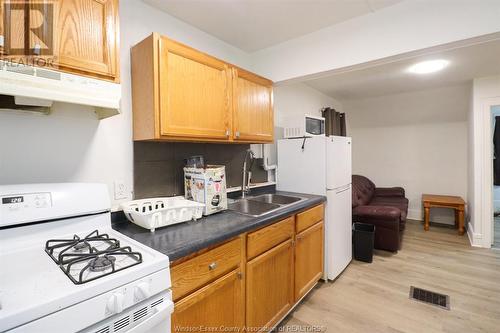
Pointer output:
64, 269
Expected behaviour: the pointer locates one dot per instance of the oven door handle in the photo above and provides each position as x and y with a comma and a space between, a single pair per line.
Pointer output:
163, 314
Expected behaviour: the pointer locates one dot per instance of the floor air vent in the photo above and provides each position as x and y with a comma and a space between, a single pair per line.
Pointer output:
430, 297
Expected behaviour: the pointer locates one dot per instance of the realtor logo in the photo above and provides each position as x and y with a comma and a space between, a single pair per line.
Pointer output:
28, 28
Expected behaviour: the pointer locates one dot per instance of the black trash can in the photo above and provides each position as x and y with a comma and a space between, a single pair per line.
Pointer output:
363, 238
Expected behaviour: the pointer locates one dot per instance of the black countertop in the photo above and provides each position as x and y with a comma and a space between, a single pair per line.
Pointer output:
179, 240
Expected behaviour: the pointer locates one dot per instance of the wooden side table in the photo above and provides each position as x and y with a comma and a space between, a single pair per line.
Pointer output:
444, 201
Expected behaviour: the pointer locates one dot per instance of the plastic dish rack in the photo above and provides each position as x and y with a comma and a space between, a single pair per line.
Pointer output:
159, 212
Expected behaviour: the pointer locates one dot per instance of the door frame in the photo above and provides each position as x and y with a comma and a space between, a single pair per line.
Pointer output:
487, 171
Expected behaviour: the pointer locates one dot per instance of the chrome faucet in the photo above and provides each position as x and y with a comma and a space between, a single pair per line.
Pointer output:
245, 186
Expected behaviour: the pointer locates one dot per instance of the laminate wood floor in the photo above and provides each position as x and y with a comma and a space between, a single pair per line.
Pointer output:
374, 297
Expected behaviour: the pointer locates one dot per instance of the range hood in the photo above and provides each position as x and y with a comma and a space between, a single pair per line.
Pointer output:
34, 89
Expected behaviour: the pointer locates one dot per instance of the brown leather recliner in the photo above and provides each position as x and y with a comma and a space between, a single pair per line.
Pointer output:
386, 208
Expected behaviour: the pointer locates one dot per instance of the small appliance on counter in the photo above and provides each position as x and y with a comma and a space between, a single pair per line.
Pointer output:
206, 185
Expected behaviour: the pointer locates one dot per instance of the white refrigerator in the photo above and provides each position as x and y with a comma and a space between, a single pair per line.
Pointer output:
322, 165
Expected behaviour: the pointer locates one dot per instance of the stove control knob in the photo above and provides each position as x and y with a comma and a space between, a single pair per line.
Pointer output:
142, 291
115, 303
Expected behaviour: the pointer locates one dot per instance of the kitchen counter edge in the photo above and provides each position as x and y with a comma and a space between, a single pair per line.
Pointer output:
180, 240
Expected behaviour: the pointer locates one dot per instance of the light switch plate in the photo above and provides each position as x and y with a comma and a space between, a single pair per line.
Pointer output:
121, 191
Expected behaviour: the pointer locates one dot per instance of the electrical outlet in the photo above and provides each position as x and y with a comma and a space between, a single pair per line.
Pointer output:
120, 190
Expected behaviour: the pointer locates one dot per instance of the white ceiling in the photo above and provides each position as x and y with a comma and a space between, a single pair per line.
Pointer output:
252, 25
465, 64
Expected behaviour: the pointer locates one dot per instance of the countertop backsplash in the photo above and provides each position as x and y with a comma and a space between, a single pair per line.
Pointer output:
158, 166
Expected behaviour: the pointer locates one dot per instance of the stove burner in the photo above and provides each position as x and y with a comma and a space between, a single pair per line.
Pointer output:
102, 263
62, 250
95, 253
79, 247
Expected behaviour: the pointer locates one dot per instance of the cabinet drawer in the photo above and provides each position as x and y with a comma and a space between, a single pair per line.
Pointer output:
310, 217
200, 270
262, 240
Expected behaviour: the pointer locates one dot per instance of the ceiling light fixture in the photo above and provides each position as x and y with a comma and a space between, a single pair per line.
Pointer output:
430, 66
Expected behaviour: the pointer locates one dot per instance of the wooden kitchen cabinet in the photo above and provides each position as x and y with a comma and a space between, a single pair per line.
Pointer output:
269, 292
252, 107
76, 36
87, 37
205, 267
217, 305
181, 94
194, 93
268, 237
253, 280
309, 217
309, 262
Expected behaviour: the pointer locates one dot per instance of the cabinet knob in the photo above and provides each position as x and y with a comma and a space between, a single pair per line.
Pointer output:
212, 266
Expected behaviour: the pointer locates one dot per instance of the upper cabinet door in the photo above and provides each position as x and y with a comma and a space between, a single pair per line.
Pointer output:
252, 107
87, 37
194, 94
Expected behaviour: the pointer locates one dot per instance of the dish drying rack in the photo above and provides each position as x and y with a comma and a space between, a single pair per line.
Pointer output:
154, 213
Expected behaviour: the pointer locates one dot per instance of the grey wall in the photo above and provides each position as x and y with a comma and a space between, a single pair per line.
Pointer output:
158, 166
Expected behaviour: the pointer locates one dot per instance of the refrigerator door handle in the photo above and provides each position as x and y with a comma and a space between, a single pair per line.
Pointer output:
343, 190
340, 189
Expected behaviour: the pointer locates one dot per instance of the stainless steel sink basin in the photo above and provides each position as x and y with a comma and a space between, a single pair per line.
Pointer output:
262, 204
251, 207
276, 199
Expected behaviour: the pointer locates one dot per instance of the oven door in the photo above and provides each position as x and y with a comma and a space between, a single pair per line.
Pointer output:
159, 322
150, 316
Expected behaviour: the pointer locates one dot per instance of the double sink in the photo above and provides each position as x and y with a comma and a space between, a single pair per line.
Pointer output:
262, 204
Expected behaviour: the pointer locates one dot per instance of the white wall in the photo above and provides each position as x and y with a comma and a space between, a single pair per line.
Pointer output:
71, 144
296, 100
404, 27
416, 140
293, 101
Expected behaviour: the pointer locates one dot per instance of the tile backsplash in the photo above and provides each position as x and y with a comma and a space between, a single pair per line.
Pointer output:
158, 166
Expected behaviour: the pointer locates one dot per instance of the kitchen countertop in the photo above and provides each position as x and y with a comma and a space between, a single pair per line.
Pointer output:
179, 240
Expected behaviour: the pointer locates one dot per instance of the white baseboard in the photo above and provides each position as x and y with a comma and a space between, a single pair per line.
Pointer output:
415, 214
475, 239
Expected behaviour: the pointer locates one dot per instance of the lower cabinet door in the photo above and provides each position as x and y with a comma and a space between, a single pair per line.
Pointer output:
269, 293
217, 307
308, 259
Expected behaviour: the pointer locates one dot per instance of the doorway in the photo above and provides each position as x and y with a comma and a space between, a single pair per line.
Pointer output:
495, 232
